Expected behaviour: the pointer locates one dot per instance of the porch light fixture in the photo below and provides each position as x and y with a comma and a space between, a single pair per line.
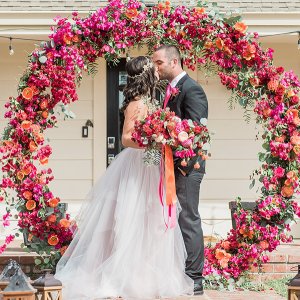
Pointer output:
10, 47
85, 128
19, 287
48, 288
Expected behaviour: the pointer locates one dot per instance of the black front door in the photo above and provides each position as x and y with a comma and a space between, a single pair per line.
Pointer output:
116, 80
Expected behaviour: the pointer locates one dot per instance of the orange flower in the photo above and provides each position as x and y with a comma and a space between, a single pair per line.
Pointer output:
241, 27
26, 170
45, 114
295, 114
35, 128
164, 7
131, 13
20, 175
249, 52
199, 11
223, 257
226, 245
32, 146
49, 55
67, 39
296, 149
171, 31
53, 240
53, 202
247, 233
219, 43
291, 175
208, 44
155, 23
295, 140
30, 204
44, 160
227, 50
266, 112
76, 38
263, 244
44, 104
27, 195
27, 93
64, 223
8, 144
280, 139
39, 137
26, 125
220, 254
273, 85
254, 81
290, 93
51, 218
287, 191
62, 250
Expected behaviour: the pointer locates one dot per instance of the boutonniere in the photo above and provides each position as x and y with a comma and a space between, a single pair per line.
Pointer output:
174, 91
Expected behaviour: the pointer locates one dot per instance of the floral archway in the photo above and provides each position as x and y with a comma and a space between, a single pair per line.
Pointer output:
205, 38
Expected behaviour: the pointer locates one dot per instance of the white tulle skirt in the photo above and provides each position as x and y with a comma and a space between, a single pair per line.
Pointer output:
122, 247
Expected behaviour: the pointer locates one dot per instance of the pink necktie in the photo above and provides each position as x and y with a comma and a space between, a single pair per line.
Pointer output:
167, 95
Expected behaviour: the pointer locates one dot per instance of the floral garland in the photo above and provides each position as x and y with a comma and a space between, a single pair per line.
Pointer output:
204, 37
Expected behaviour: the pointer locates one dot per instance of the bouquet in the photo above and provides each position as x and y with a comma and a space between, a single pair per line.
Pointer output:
186, 138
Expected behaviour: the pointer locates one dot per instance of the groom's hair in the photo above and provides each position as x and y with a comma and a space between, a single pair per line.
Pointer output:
171, 51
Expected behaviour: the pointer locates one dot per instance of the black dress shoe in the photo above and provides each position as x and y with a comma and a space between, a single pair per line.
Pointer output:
198, 289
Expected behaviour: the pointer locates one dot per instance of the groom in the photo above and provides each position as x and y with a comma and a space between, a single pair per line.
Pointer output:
187, 99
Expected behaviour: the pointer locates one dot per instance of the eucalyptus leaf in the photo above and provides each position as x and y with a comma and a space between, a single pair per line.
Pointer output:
251, 186
46, 260
261, 157
42, 59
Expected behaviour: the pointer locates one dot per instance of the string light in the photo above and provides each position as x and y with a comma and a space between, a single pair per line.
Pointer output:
10, 48
283, 33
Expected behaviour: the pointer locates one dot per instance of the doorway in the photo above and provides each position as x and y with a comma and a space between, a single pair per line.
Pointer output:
116, 80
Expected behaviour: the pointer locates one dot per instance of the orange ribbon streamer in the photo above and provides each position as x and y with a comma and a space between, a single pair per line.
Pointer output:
169, 177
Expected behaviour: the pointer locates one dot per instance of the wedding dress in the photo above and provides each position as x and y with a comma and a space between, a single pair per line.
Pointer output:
122, 246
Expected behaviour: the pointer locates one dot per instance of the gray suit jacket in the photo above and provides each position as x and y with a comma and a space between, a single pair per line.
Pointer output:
189, 103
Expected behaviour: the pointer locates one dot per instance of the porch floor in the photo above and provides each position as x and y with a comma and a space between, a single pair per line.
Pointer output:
236, 295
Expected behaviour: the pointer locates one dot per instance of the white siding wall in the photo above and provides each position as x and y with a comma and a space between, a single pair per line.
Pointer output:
77, 162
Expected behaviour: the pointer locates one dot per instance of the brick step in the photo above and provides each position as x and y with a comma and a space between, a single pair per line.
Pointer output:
283, 262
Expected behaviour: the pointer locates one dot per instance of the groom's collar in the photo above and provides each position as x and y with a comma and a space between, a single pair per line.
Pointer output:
175, 81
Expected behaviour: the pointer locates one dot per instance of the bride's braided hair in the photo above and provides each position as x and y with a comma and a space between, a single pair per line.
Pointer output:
141, 79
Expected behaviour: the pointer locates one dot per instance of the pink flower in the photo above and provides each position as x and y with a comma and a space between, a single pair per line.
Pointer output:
279, 172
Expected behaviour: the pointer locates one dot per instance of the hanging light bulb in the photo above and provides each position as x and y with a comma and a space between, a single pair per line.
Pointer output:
10, 48
298, 40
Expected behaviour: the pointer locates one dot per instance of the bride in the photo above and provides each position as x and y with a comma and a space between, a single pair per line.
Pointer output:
122, 247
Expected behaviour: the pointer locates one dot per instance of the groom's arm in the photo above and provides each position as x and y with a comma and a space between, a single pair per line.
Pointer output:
195, 104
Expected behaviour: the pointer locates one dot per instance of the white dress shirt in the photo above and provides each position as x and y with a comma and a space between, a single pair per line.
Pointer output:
177, 78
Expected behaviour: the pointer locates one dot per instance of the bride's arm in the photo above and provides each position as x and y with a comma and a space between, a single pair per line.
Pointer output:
135, 110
